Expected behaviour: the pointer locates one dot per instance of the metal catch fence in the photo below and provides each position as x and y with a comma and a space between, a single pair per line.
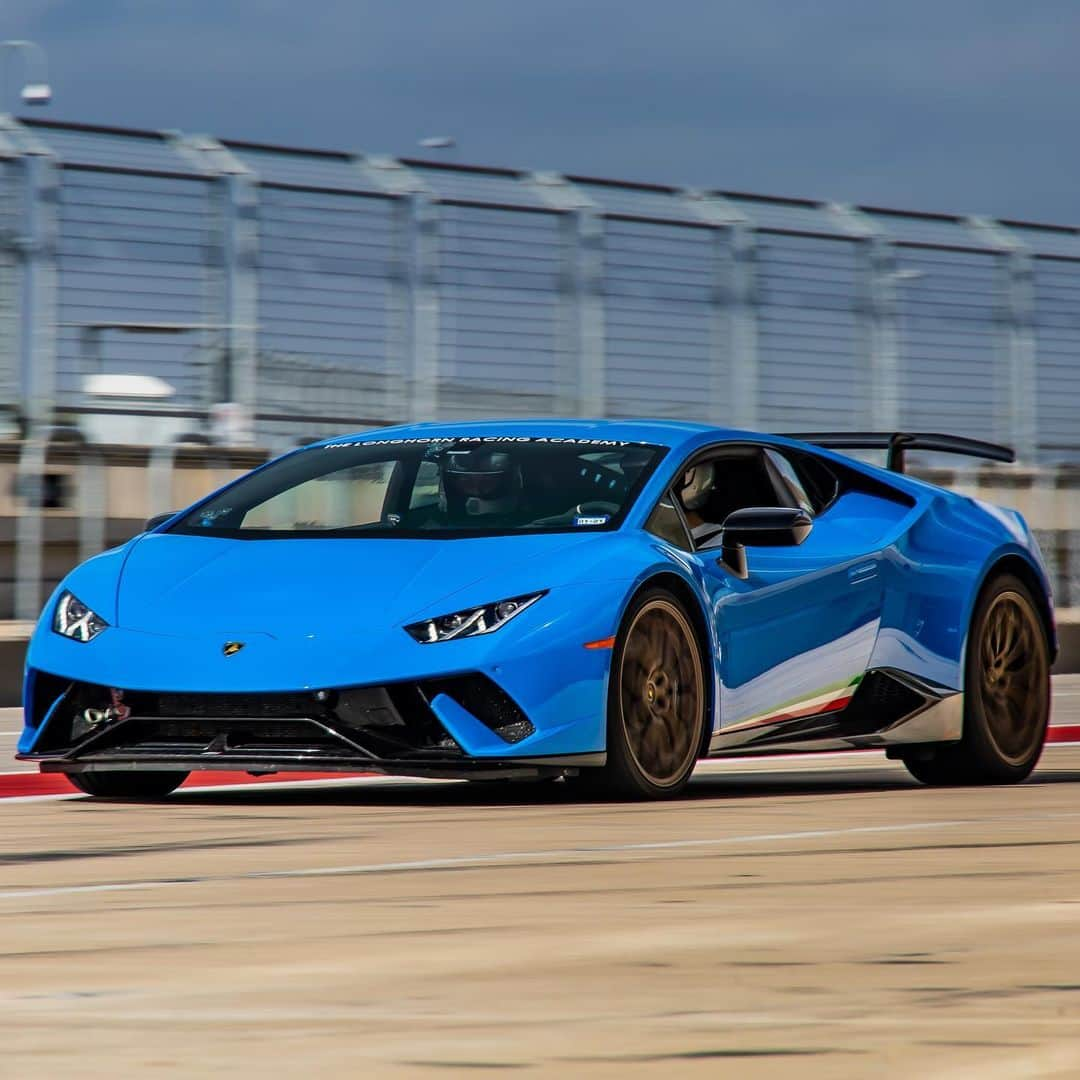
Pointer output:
339, 285
324, 290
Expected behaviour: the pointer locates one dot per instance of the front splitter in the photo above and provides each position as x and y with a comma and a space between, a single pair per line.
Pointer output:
435, 769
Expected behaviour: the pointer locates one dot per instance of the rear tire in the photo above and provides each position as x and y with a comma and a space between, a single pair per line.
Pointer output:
1006, 694
128, 785
656, 702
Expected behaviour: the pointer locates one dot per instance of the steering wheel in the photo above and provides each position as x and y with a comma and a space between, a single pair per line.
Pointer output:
594, 509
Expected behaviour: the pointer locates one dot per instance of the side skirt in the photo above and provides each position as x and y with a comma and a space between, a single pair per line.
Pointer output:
889, 708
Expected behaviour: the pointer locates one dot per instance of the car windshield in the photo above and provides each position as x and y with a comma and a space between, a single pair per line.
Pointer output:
434, 487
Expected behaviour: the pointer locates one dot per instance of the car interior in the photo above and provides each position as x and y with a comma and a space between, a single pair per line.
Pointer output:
745, 476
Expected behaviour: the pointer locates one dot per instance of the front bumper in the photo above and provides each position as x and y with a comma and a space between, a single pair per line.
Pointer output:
429, 719
460, 725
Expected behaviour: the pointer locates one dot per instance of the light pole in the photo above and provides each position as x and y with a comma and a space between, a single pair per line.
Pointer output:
439, 142
36, 89
444, 145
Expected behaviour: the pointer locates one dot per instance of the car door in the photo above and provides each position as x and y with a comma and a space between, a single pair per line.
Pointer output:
796, 634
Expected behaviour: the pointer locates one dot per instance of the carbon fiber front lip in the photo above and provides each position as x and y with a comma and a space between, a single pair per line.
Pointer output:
292, 761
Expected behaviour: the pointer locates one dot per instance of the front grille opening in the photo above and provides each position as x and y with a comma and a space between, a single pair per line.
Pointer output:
389, 722
65, 726
487, 701
225, 734
223, 706
358, 721
45, 690
411, 704
385, 722
219, 736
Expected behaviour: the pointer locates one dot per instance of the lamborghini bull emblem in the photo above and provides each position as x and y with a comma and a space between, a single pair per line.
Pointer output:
231, 648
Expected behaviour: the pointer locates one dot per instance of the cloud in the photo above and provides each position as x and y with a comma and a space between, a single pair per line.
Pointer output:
955, 106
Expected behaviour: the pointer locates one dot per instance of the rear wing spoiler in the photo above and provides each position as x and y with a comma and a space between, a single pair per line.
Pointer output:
899, 442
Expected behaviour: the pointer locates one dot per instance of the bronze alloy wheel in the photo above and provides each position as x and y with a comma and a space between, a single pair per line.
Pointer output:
1013, 687
661, 693
1006, 694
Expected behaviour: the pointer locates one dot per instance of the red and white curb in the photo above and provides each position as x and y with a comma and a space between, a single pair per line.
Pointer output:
14, 785
1063, 733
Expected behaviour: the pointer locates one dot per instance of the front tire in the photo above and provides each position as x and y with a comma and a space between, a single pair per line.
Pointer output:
128, 785
656, 700
1006, 694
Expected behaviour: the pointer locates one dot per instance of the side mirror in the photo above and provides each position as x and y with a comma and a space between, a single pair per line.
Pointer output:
158, 519
761, 526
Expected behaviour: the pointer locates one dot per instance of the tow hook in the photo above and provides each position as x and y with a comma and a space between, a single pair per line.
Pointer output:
89, 720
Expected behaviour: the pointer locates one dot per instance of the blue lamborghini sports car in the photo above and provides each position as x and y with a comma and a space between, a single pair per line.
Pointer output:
603, 601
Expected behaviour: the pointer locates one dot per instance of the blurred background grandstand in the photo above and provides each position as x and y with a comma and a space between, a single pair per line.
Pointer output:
174, 308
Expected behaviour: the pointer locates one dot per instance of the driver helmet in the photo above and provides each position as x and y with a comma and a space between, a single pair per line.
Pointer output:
480, 483
697, 485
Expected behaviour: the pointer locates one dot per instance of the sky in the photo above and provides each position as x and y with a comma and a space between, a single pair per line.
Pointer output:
965, 106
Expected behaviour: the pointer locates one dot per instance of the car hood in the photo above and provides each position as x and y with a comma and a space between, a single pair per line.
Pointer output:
174, 584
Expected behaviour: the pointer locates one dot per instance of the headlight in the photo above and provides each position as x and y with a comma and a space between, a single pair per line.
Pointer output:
471, 622
73, 619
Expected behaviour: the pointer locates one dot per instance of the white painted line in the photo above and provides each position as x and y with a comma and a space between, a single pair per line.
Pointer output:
40, 798
511, 858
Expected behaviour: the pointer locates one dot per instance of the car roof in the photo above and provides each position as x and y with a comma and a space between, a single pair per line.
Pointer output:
669, 433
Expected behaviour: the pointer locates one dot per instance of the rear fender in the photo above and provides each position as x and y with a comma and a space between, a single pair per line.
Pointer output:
933, 576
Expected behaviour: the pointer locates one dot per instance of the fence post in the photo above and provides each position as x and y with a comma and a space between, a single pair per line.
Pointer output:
10, 200
568, 317
1023, 389
241, 289
425, 280
1017, 393
238, 304
592, 377
405, 187
396, 393
584, 385
746, 366
876, 309
36, 244
414, 297
884, 404
733, 353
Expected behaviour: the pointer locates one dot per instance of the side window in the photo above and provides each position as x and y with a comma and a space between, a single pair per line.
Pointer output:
667, 523
425, 492
787, 481
808, 481
736, 477
710, 490
820, 482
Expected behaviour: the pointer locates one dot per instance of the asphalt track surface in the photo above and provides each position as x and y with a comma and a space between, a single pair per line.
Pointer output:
824, 917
